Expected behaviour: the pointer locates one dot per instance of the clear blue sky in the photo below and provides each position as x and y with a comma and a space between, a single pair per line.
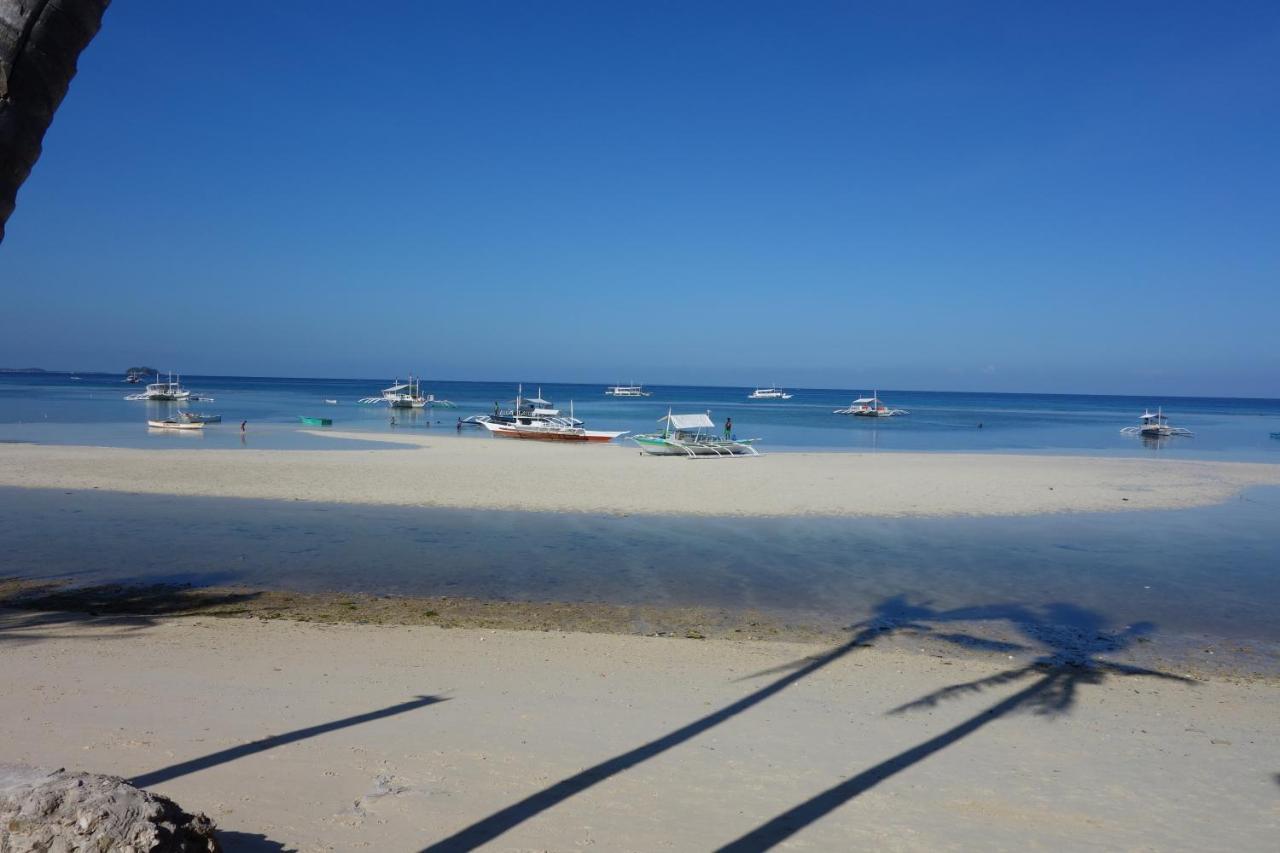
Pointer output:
1076, 197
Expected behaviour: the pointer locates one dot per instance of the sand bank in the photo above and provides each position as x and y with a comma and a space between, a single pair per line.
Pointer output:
497, 474
396, 738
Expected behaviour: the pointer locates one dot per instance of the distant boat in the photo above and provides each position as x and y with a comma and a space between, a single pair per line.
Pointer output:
163, 392
870, 407
196, 418
406, 395
332, 402
134, 377
174, 423
627, 391
309, 421
769, 394
692, 436
1155, 425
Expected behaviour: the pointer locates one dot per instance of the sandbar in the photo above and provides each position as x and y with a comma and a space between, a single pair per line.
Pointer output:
510, 475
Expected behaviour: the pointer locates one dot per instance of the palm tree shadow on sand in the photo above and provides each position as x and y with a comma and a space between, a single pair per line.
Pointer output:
892, 615
1074, 638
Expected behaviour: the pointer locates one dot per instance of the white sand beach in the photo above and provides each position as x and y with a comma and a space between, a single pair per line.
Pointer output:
498, 474
347, 737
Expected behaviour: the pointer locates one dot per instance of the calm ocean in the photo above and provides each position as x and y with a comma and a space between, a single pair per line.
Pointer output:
54, 408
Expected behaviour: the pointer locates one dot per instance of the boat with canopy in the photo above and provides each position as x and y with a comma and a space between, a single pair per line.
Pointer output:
870, 407
693, 436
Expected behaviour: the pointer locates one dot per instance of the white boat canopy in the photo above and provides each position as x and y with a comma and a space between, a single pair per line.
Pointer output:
865, 400
699, 421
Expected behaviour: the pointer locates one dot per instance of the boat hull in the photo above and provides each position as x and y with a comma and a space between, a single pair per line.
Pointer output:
174, 425
540, 434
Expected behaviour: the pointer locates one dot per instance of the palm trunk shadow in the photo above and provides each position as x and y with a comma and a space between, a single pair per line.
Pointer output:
500, 822
204, 762
793, 820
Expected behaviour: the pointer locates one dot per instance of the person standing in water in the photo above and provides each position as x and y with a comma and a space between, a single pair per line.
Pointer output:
728, 427
242, 425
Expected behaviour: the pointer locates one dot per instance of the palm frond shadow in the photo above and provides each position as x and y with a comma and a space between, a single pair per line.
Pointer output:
1069, 662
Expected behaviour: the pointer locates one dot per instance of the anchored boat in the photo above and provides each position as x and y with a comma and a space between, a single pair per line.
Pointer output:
1155, 425
174, 423
406, 395
692, 436
529, 420
165, 392
870, 407
769, 394
627, 391
309, 421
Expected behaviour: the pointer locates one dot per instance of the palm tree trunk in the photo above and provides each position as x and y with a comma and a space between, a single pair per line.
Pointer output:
40, 41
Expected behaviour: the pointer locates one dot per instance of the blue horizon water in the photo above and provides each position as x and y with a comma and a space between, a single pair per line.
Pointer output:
53, 408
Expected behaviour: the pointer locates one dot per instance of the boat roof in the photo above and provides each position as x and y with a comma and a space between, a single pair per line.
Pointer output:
867, 400
698, 421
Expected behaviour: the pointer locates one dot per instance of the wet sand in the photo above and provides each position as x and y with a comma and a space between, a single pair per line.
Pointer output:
528, 476
401, 737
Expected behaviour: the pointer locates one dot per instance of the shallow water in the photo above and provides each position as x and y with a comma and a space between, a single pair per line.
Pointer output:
53, 408
1201, 573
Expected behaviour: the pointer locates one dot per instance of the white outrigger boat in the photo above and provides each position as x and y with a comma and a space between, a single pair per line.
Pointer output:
175, 423
627, 391
870, 407
406, 395
769, 394
529, 419
197, 418
1155, 425
162, 392
692, 436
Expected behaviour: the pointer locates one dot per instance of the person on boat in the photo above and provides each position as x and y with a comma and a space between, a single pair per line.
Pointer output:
728, 427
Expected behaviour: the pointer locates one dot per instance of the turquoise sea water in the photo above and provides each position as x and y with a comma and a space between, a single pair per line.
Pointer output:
56, 409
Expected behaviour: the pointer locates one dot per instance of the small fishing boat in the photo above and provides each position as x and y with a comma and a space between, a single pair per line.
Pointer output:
1155, 425
627, 391
769, 394
406, 395
197, 418
134, 377
1275, 435
693, 436
309, 421
473, 420
870, 407
332, 402
174, 423
162, 392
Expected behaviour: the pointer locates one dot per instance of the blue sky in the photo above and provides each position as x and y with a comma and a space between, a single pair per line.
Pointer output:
959, 196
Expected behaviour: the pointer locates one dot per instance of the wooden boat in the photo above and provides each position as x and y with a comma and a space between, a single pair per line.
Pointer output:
197, 418
1155, 425
692, 436
543, 424
173, 423
870, 407
308, 421
769, 394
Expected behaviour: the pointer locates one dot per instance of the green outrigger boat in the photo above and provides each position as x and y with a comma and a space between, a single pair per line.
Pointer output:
317, 421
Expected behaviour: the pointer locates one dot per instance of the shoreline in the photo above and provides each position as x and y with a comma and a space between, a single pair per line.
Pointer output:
499, 475
905, 629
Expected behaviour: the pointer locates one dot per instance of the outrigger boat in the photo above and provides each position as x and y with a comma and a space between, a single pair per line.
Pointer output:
196, 418
627, 391
870, 407
407, 395
769, 394
174, 423
541, 424
692, 436
164, 392
1155, 425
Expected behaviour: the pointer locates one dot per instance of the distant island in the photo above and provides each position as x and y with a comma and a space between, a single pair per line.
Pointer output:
141, 370
23, 370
